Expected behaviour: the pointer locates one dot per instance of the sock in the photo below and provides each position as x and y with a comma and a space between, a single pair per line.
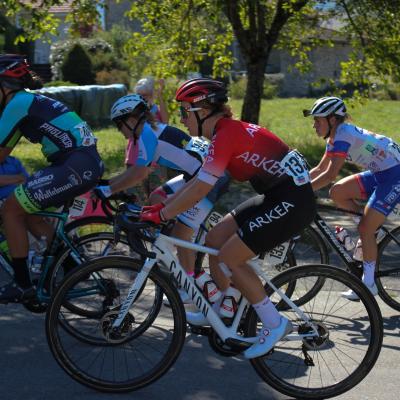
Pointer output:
369, 272
21, 271
267, 313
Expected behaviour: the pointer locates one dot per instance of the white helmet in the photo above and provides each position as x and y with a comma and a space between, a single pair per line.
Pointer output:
126, 104
326, 106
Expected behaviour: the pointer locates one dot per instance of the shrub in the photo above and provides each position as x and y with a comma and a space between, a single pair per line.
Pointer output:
77, 67
58, 83
114, 76
59, 51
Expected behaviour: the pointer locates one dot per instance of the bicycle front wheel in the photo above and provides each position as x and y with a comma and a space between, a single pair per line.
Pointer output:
348, 342
124, 360
388, 269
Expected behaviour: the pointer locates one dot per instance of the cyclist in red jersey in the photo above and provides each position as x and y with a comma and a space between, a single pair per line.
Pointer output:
249, 153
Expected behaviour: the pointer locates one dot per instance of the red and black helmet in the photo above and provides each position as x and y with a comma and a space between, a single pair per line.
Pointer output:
13, 66
198, 89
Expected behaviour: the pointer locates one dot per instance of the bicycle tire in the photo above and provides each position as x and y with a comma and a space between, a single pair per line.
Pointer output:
171, 326
310, 239
278, 376
387, 275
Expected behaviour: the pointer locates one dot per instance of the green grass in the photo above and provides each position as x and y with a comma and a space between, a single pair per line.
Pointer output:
281, 116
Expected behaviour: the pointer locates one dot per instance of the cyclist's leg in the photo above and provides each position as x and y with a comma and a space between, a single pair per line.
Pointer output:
49, 187
348, 189
380, 204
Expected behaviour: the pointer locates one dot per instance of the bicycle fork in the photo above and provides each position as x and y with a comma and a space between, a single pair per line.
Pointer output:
133, 291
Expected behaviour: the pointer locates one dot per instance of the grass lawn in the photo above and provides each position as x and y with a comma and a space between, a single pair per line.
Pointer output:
281, 116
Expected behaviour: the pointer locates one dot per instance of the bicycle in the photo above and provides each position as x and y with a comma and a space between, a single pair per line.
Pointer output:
332, 336
70, 239
387, 273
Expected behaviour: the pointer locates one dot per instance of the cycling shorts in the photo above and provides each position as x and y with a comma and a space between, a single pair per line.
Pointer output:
382, 189
270, 219
199, 212
72, 174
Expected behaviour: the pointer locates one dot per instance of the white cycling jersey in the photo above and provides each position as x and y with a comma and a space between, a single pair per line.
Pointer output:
366, 149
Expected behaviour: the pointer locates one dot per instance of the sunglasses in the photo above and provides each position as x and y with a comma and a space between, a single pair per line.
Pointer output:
185, 110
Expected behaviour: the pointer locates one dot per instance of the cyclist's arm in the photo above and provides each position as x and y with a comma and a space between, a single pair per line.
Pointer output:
321, 167
12, 179
4, 153
191, 194
132, 176
329, 174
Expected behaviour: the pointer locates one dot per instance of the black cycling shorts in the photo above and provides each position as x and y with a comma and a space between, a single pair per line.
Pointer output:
272, 218
72, 174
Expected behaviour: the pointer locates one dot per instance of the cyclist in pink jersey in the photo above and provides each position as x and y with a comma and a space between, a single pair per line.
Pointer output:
249, 153
379, 183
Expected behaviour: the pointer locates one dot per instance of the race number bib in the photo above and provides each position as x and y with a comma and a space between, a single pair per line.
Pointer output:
295, 166
198, 146
88, 139
277, 255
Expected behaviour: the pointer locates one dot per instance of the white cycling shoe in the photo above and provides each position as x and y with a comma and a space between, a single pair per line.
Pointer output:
196, 318
350, 295
268, 338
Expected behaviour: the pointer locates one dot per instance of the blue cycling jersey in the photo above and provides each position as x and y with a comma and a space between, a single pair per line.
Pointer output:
172, 148
43, 120
10, 166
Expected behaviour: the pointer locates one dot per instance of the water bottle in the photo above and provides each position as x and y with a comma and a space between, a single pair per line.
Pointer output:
208, 286
358, 253
230, 302
343, 236
36, 255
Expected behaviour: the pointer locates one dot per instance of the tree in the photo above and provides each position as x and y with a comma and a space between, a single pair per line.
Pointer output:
374, 29
77, 67
177, 35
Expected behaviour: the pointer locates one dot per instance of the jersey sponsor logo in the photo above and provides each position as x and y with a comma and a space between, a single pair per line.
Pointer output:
57, 133
49, 193
393, 194
40, 182
276, 213
87, 175
251, 129
273, 167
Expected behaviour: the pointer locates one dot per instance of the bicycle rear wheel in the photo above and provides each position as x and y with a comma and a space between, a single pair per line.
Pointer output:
125, 360
349, 341
387, 276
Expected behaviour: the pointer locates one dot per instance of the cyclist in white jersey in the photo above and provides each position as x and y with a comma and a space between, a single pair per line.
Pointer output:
377, 155
164, 145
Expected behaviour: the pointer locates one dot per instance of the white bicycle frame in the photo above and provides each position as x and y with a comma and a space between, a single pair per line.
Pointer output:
164, 248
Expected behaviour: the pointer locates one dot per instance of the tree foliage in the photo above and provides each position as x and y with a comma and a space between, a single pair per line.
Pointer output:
178, 35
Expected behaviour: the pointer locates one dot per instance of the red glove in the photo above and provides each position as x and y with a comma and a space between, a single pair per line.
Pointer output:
154, 207
152, 216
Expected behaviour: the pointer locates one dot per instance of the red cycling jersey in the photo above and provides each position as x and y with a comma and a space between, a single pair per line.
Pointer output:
248, 152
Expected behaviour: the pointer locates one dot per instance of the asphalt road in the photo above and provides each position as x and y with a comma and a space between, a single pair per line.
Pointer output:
29, 372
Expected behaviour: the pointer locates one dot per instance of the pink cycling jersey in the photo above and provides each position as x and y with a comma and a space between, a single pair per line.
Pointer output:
246, 151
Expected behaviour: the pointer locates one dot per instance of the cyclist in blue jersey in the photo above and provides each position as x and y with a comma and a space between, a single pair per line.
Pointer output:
12, 173
68, 145
379, 184
168, 146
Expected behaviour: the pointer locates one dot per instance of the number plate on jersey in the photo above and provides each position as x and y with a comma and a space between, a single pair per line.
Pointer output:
199, 146
295, 166
277, 255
